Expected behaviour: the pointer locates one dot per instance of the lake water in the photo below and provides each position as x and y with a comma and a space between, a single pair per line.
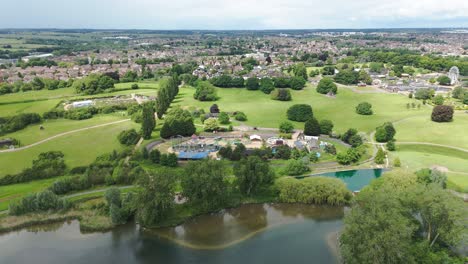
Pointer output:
355, 179
263, 233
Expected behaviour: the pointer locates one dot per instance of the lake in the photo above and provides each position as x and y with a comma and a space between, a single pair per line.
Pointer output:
355, 179
259, 233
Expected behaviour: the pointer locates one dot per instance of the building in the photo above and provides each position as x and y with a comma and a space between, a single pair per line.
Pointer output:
82, 104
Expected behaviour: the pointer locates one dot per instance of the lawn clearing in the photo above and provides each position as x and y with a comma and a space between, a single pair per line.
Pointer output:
263, 112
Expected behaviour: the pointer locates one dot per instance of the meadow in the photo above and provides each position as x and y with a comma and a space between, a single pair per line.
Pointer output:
262, 111
80, 148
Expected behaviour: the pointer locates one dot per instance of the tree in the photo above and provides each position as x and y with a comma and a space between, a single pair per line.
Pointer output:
252, 83
364, 77
112, 196
211, 124
312, 127
385, 133
214, 109
326, 127
252, 174
286, 127
300, 70
128, 137
397, 162
423, 94
148, 121
348, 134
178, 122
267, 85
297, 83
300, 112
458, 92
328, 70
281, 94
355, 141
134, 86
380, 157
155, 156
347, 77
240, 116
428, 176
223, 118
391, 145
364, 108
203, 184
296, 167
155, 198
326, 85
205, 91
442, 113
444, 80
438, 100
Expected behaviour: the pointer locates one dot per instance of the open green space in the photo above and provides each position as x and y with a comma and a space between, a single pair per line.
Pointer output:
52, 127
416, 157
422, 129
13, 192
458, 181
80, 148
39, 107
262, 111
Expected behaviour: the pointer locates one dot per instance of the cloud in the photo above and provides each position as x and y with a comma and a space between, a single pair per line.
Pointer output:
233, 14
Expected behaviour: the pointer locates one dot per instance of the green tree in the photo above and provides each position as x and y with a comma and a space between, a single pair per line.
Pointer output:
267, 85
281, 94
211, 124
203, 184
442, 113
300, 112
300, 70
128, 137
444, 80
364, 77
364, 108
205, 91
312, 127
252, 174
252, 83
326, 127
326, 85
148, 121
385, 133
286, 127
223, 118
155, 198
297, 83
438, 100
380, 157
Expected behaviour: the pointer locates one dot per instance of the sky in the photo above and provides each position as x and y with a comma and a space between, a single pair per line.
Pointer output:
233, 14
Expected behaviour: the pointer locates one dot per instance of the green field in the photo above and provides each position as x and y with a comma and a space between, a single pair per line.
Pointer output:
52, 127
262, 111
80, 148
422, 129
416, 157
9, 193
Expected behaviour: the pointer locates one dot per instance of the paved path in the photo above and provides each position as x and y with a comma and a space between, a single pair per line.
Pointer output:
63, 134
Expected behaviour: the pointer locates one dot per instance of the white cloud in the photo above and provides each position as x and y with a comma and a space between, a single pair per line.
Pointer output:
234, 14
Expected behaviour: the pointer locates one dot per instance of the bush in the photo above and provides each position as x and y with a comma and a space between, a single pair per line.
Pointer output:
330, 149
397, 162
326, 85
380, 157
281, 95
135, 86
347, 77
267, 85
155, 156
240, 116
252, 83
326, 127
43, 201
223, 118
352, 155
444, 80
391, 145
385, 133
364, 108
312, 127
282, 152
205, 92
210, 124
438, 100
423, 94
300, 112
442, 113
296, 167
128, 137
286, 127
297, 83
313, 190
18, 122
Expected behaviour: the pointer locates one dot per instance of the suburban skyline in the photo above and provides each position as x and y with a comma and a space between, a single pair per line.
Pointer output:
238, 15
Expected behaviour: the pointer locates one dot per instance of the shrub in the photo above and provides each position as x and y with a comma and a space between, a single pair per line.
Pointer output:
385, 133
312, 127
128, 137
352, 155
267, 85
240, 116
297, 83
326, 127
155, 156
442, 113
296, 167
423, 94
364, 108
326, 85
210, 124
252, 83
286, 127
18, 122
281, 95
205, 91
283, 152
380, 157
391, 145
438, 100
43, 201
223, 118
347, 77
330, 149
300, 112
444, 80
135, 86
313, 190
397, 162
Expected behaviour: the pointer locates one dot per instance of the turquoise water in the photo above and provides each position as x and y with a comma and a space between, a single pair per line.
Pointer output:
355, 179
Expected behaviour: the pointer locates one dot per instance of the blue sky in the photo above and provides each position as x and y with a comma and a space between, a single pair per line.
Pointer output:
232, 14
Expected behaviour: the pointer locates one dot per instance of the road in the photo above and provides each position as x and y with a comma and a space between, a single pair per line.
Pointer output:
61, 135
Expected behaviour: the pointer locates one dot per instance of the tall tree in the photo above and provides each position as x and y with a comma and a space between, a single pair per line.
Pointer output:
148, 121
312, 127
252, 174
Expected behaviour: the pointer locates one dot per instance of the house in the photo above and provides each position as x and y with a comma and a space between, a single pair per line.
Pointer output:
82, 104
255, 138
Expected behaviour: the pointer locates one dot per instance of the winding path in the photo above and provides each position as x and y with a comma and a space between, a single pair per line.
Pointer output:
62, 134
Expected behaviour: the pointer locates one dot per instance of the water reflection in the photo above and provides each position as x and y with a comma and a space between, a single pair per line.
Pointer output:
355, 180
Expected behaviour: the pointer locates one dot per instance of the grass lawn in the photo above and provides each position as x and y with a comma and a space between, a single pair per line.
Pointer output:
458, 182
9, 193
39, 107
422, 129
37, 95
52, 127
417, 157
263, 112
80, 148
